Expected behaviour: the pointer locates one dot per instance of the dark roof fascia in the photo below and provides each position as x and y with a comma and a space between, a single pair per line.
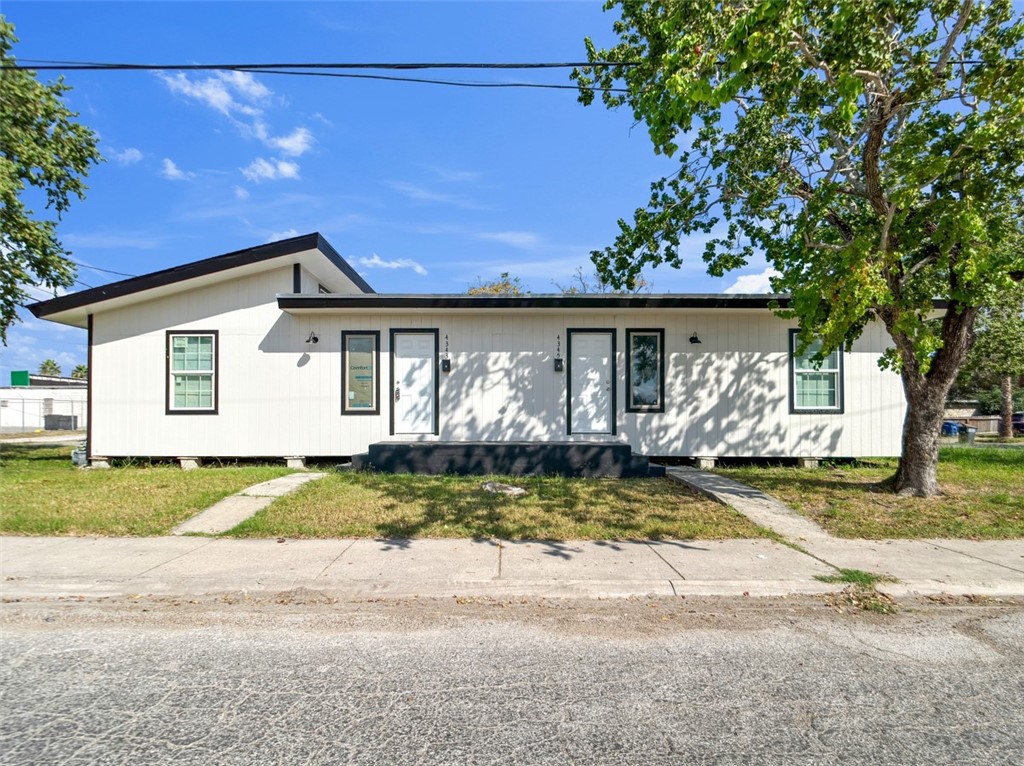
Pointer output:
343, 266
717, 301
217, 263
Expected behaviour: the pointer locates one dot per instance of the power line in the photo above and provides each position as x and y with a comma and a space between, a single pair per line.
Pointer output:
48, 64
105, 271
456, 83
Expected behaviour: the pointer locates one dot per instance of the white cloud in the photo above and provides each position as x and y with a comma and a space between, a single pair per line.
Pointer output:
129, 156
172, 172
420, 194
376, 262
525, 240
279, 235
456, 176
753, 283
241, 192
270, 170
247, 85
297, 143
218, 92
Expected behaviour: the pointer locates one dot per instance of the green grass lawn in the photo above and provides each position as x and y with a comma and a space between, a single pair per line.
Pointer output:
41, 493
983, 496
387, 505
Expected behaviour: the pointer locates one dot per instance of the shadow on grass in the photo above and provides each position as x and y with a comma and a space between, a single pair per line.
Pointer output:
620, 509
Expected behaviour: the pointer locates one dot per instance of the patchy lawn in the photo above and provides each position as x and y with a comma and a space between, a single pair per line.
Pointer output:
388, 505
983, 496
41, 493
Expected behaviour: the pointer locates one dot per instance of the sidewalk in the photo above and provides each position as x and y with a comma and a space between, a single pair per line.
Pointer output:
33, 567
40, 567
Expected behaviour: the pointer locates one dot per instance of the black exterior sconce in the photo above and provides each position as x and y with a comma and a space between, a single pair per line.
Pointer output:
694, 338
312, 338
446, 363
559, 362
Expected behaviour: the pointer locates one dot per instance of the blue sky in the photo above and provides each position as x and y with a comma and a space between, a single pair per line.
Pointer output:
422, 188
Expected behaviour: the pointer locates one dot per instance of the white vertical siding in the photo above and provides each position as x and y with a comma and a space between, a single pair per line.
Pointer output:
727, 396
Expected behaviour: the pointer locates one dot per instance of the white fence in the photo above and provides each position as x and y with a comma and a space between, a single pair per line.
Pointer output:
18, 415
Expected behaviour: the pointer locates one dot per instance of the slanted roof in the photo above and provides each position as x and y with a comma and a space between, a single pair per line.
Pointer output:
295, 304
311, 250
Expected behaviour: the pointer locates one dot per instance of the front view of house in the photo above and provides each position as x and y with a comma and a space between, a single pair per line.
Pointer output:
283, 350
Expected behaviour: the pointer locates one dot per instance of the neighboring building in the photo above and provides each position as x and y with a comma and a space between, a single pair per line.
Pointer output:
20, 378
283, 350
34, 408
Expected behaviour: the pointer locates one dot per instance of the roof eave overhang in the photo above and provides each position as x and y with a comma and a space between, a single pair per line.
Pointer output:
73, 309
298, 304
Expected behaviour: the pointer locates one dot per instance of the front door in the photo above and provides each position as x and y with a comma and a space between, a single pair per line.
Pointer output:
414, 382
591, 396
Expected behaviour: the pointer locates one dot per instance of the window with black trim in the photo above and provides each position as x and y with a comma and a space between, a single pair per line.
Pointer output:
814, 387
645, 370
360, 372
192, 372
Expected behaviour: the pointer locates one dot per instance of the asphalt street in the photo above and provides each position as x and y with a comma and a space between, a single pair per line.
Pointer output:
299, 679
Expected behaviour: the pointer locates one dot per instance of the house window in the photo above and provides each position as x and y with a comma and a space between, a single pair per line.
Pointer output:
360, 373
192, 372
815, 388
645, 365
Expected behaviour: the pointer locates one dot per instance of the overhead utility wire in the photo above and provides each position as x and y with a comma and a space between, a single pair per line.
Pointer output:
51, 64
92, 65
105, 271
456, 83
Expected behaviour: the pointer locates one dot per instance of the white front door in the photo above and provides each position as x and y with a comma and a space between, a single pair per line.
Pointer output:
413, 394
591, 380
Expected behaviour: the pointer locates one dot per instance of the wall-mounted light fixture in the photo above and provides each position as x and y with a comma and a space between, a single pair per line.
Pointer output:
559, 364
446, 363
312, 338
694, 338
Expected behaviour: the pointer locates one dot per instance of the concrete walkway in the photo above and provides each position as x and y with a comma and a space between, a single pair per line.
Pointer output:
960, 566
233, 510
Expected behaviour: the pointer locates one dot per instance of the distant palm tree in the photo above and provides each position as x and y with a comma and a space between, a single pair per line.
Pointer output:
81, 372
49, 367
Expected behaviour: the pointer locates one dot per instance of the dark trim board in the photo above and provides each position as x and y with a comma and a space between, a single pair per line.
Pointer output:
88, 388
201, 268
296, 278
660, 332
613, 408
793, 409
378, 301
437, 377
376, 371
167, 372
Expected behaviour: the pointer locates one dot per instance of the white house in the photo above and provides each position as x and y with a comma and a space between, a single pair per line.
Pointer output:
283, 350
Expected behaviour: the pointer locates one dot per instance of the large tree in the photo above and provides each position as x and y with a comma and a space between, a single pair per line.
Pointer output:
43, 152
871, 150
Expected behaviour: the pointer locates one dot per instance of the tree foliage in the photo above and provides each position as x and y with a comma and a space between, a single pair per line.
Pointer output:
503, 285
49, 367
43, 153
81, 372
871, 150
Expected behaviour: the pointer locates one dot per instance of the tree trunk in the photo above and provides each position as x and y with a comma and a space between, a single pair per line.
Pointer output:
1006, 409
918, 468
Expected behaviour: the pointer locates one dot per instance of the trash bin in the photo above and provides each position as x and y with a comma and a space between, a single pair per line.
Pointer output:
950, 428
967, 434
